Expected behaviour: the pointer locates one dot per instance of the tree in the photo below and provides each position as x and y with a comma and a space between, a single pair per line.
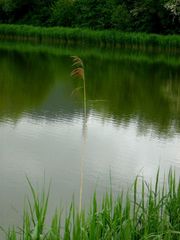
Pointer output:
146, 15
171, 19
62, 13
34, 12
173, 6
95, 14
121, 18
152, 16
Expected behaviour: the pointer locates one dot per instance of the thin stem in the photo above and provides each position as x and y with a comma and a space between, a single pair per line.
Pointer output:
78, 72
85, 104
84, 134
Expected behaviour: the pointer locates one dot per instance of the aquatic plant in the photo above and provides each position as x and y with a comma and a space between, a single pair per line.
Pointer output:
78, 72
147, 211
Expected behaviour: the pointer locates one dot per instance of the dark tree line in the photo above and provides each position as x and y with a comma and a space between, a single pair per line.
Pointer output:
154, 16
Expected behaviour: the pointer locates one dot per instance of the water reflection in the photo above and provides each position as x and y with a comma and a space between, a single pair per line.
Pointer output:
121, 90
135, 91
133, 121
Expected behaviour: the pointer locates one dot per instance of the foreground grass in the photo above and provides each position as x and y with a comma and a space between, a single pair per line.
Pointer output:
152, 212
108, 38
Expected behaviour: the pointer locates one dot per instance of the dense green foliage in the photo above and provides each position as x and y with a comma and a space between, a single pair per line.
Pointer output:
149, 211
106, 38
152, 16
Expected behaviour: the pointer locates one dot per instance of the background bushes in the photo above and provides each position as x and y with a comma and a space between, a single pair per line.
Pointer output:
151, 16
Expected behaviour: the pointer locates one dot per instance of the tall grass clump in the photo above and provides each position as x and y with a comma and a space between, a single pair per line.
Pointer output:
148, 211
107, 38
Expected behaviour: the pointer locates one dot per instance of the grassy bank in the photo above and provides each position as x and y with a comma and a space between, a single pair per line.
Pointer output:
107, 38
150, 211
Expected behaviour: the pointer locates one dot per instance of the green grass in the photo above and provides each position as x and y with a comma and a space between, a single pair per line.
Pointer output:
149, 211
107, 38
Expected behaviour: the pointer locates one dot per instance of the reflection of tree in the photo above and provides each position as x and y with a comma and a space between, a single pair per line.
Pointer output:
133, 90
24, 83
172, 92
142, 90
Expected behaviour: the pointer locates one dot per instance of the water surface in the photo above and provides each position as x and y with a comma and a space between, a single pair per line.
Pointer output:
133, 121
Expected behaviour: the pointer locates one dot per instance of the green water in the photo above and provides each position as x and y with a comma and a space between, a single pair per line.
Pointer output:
133, 121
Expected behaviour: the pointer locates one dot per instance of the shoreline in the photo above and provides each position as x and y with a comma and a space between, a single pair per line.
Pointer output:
104, 38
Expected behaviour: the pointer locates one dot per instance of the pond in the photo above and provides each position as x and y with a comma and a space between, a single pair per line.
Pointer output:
133, 122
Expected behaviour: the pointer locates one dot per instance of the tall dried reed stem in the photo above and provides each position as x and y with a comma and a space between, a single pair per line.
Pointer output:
78, 72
